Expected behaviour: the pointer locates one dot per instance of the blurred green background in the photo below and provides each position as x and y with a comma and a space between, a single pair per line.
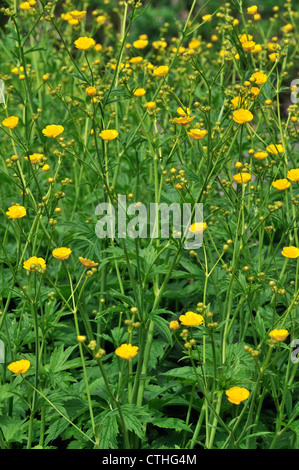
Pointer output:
169, 11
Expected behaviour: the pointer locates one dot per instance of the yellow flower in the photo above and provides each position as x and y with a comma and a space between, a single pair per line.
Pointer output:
182, 121
257, 48
139, 92
35, 157
245, 37
33, 263
136, 60
77, 15
259, 77
207, 17
140, 43
238, 101
252, 10
257, 17
101, 19
241, 116
293, 175
191, 319
182, 112
87, 263
281, 184
273, 47
16, 212
62, 253
273, 56
19, 367
197, 134
279, 335
260, 155
159, 44
98, 47
198, 227
108, 134
84, 43
287, 28
91, 91
46, 167
242, 178
194, 44
255, 91
275, 148
161, 71
248, 45
81, 338
150, 105
25, 6
290, 252
237, 394
53, 130
126, 351
11, 122
174, 325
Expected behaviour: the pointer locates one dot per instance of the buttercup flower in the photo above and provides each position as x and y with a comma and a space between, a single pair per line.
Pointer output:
183, 112
53, 130
252, 10
35, 157
81, 338
255, 91
140, 43
237, 394
62, 253
248, 46
33, 263
238, 102
161, 71
241, 116
191, 319
136, 60
91, 91
293, 175
275, 149
197, 134
182, 121
19, 367
290, 252
84, 43
242, 178
207, 18
279, 335
194, 44
108, 134
139, 92
150, 105
198, 227
10, 122
87, 263
260, 155
16, 212
77, 15
260, 78
281, 184
245, 37
126, 351
174, 325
